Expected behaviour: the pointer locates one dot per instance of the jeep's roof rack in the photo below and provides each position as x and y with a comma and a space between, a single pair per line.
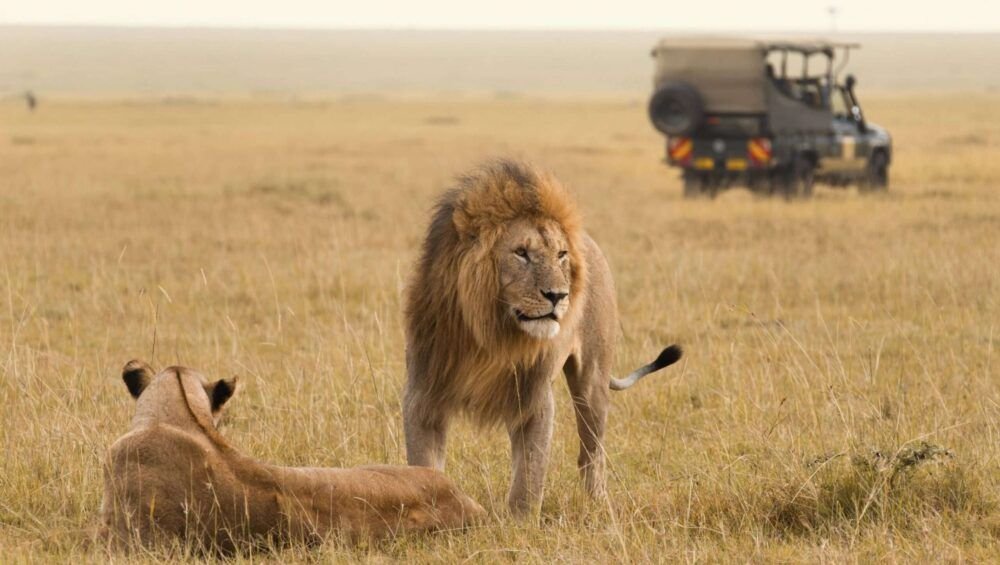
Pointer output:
809, 47
708, 42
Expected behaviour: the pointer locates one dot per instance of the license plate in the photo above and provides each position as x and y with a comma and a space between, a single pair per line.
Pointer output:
704, 163
736, 164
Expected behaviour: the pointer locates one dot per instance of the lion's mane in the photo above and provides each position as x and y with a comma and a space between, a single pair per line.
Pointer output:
457, 328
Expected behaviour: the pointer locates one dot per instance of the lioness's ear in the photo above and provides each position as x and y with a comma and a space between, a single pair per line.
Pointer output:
137, 375
221, 391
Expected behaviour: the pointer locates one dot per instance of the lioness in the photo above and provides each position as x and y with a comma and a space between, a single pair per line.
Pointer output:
173, 476
510, 290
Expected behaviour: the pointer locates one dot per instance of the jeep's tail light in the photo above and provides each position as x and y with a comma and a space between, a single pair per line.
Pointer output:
680, 150
759, 151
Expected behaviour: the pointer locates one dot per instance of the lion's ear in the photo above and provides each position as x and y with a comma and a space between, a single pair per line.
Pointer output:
137, 376
463, 224
221, 391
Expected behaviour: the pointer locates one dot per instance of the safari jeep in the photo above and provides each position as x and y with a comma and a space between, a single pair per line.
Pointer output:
736, 114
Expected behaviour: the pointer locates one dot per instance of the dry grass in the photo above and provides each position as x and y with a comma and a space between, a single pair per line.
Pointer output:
838, 401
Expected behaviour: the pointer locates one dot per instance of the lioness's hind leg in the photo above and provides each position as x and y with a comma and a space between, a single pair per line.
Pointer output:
588, 387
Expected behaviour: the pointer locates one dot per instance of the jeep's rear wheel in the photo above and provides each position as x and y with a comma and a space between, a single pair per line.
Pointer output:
806, 174
797, 179
697, 186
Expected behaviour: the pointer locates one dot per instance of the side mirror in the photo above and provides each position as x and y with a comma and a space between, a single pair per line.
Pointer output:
859, 118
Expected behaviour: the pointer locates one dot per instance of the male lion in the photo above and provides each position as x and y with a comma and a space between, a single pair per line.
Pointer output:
173, 477
509, 290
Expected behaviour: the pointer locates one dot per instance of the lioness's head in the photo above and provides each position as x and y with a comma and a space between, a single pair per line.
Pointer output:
176, 393
520, 264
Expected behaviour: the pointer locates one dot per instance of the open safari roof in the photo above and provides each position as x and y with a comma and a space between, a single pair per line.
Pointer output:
730, 72
757, 45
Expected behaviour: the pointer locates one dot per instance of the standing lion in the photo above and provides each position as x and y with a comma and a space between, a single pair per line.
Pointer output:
510, 290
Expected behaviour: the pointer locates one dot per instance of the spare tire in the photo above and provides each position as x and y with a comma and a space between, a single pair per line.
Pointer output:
676, 108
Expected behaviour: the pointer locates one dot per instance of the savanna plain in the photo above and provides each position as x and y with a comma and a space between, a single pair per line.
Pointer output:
838, 400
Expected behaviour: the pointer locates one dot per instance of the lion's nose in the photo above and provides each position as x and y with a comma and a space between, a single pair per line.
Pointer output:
554, 297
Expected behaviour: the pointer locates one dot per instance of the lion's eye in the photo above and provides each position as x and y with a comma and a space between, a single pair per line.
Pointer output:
521, 253
563, 254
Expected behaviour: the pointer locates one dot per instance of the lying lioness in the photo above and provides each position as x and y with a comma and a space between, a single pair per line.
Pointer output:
174, 477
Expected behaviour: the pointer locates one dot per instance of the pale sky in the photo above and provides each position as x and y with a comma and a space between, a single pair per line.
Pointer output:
698, 15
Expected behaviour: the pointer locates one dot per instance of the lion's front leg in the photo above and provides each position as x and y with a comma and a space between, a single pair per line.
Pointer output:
425, 429
530, 439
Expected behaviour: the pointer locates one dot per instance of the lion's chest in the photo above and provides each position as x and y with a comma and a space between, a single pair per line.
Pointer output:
492, 392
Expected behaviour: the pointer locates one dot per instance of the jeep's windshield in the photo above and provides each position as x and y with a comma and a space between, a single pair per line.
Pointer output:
846, 106
841, 104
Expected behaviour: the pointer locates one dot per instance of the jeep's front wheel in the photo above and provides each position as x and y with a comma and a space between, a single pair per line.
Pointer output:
876, 178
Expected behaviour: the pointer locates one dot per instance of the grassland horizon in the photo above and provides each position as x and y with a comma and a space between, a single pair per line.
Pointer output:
68, 61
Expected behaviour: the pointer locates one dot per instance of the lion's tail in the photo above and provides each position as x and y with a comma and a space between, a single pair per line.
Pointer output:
667, 357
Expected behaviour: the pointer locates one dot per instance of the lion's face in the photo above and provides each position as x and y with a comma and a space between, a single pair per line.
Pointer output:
533, 260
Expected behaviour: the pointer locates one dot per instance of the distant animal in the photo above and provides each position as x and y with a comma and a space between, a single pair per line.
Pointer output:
173, 477
30, 100
508, 291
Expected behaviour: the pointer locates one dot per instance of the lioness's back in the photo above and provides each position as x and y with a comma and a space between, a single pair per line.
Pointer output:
148, 476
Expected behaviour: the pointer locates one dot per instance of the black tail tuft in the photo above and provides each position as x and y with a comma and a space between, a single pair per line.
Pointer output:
668, 357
